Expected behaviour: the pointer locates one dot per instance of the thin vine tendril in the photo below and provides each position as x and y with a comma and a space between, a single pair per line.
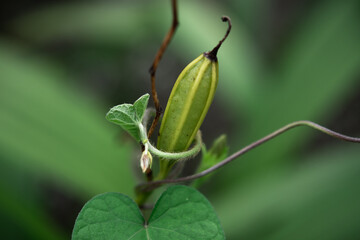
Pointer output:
149, 186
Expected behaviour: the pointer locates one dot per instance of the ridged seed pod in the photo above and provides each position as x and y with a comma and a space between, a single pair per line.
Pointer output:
190, 100
188, 104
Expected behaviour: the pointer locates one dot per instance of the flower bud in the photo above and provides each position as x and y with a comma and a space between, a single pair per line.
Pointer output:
146, 161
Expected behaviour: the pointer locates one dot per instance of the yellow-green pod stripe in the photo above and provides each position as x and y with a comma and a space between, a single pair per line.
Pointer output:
188, 104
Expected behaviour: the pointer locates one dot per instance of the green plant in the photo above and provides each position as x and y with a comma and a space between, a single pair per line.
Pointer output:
115, 216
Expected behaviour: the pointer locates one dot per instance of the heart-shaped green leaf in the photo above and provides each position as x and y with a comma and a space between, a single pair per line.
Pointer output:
128, 116
180, 213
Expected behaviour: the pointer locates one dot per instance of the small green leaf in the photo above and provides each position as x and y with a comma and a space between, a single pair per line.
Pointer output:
218, 152
140, 106
128, 116
180, 213
219, 149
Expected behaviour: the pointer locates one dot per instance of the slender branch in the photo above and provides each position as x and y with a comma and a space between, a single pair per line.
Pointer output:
145, 187
156, 61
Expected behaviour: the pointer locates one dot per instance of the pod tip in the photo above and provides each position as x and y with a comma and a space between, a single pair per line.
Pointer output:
212, 54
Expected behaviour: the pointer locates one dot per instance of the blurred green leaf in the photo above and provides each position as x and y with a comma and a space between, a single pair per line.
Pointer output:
311, 82
56, 132
100, 23
317, 200
30, 220
132, 22
95, 21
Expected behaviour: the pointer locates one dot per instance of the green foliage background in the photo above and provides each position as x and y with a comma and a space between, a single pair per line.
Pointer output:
63, 65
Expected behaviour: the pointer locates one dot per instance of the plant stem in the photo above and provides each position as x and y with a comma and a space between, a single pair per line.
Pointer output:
145, 187
156, 61
171, 155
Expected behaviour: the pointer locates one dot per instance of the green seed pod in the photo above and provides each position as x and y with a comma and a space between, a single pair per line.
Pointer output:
188, 104
190, 100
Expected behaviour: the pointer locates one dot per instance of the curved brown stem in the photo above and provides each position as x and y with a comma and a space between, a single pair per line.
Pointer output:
155, 64
146, 187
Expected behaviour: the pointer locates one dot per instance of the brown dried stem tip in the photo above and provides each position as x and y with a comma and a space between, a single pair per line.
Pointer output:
155, 63
212, 54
